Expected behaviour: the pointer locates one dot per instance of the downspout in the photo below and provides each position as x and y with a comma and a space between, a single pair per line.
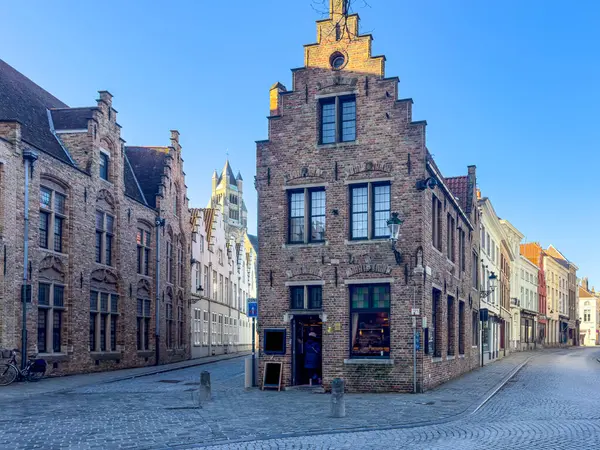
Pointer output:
208, 281
29, 158
160, 223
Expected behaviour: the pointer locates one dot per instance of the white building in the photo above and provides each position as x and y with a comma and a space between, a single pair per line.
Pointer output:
589, 310
223, 278
524, 304
557, 274
495, 328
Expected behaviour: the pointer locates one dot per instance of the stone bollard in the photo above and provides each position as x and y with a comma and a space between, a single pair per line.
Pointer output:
338, 402
204, 390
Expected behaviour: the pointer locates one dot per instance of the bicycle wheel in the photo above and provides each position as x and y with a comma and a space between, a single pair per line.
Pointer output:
8, 374
35, 376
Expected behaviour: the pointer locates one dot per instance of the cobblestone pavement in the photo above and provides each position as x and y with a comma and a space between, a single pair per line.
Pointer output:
161, 411
552, 403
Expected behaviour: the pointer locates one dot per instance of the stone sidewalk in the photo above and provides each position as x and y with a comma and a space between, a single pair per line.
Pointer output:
160, 410
19, 390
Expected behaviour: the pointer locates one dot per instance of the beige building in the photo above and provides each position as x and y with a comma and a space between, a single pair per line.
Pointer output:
589, 309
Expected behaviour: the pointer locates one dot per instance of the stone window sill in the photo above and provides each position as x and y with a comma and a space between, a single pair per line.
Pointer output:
337, 144
103, 356
439, 252
450, 357
367, 241
53, 356
369, 361
306, 244
145, 353
437, 359
461, 356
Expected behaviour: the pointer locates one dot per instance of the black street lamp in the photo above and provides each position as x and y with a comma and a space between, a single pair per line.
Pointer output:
493, 280
393, 224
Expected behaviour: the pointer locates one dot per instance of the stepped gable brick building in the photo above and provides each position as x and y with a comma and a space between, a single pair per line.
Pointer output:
342, 155
91, 272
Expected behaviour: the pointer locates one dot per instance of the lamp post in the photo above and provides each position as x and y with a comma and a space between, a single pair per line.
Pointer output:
393, 224
492, 283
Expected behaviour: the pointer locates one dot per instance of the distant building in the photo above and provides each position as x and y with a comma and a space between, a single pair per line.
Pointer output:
228, 196
589, 308
223, 278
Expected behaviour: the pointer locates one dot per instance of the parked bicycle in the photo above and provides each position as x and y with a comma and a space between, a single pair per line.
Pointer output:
9, 372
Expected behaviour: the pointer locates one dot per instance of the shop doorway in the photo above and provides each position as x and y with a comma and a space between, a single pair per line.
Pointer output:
307, 363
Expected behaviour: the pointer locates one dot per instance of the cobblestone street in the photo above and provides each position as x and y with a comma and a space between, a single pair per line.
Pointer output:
550, 403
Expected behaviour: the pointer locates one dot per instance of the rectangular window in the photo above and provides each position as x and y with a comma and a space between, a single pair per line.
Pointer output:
338, 119
462, 249
475, 328
44, 223
113, 333
474, 270
461, 328
51, 306
204, 327
104, 238
213, 331
328, 131
58, 234
306, 297
104, 166
450, 243
143, 324
435, 335
450, 326
41, 330
306, 210
98, 246
436, 222
143, 251
370, 314
370, 206
220, 331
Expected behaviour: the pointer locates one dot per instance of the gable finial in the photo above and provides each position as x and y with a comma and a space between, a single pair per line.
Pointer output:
338, 7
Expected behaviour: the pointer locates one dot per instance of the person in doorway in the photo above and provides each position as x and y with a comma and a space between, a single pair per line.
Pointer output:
312, 358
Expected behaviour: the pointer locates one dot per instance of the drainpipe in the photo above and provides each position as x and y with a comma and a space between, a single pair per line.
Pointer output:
208, 281
29, 158
160, 223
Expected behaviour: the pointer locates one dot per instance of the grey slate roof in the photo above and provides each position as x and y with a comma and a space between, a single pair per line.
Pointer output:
227, 170
148, 165
72, 118
24, 101
132, 186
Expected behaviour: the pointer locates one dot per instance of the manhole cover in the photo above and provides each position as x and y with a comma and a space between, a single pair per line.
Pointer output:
169, 381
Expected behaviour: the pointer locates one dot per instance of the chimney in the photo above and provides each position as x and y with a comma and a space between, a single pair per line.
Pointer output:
471, 187
275, 98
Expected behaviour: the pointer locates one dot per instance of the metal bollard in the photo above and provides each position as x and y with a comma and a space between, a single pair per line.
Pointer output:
204, 389
338, 402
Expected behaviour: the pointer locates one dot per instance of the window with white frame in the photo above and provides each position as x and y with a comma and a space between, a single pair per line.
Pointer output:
213, 331
220, 330
204, 327
197, 327
225, 330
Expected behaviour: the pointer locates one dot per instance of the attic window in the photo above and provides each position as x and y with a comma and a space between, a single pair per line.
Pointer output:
338, 61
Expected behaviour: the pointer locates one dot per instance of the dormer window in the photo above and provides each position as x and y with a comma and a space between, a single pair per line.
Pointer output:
104, 166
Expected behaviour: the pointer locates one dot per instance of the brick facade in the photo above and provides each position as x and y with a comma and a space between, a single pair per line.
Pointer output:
389, 147
70, 143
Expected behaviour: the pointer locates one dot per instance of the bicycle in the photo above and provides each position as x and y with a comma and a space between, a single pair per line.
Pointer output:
34, 370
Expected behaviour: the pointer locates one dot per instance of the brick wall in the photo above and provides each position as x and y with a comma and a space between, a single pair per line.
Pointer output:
75, 267
388, 146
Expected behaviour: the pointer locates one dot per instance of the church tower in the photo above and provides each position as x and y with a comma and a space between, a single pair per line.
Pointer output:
227, 196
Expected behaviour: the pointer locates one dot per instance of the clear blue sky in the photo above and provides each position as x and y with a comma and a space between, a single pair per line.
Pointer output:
511, 86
